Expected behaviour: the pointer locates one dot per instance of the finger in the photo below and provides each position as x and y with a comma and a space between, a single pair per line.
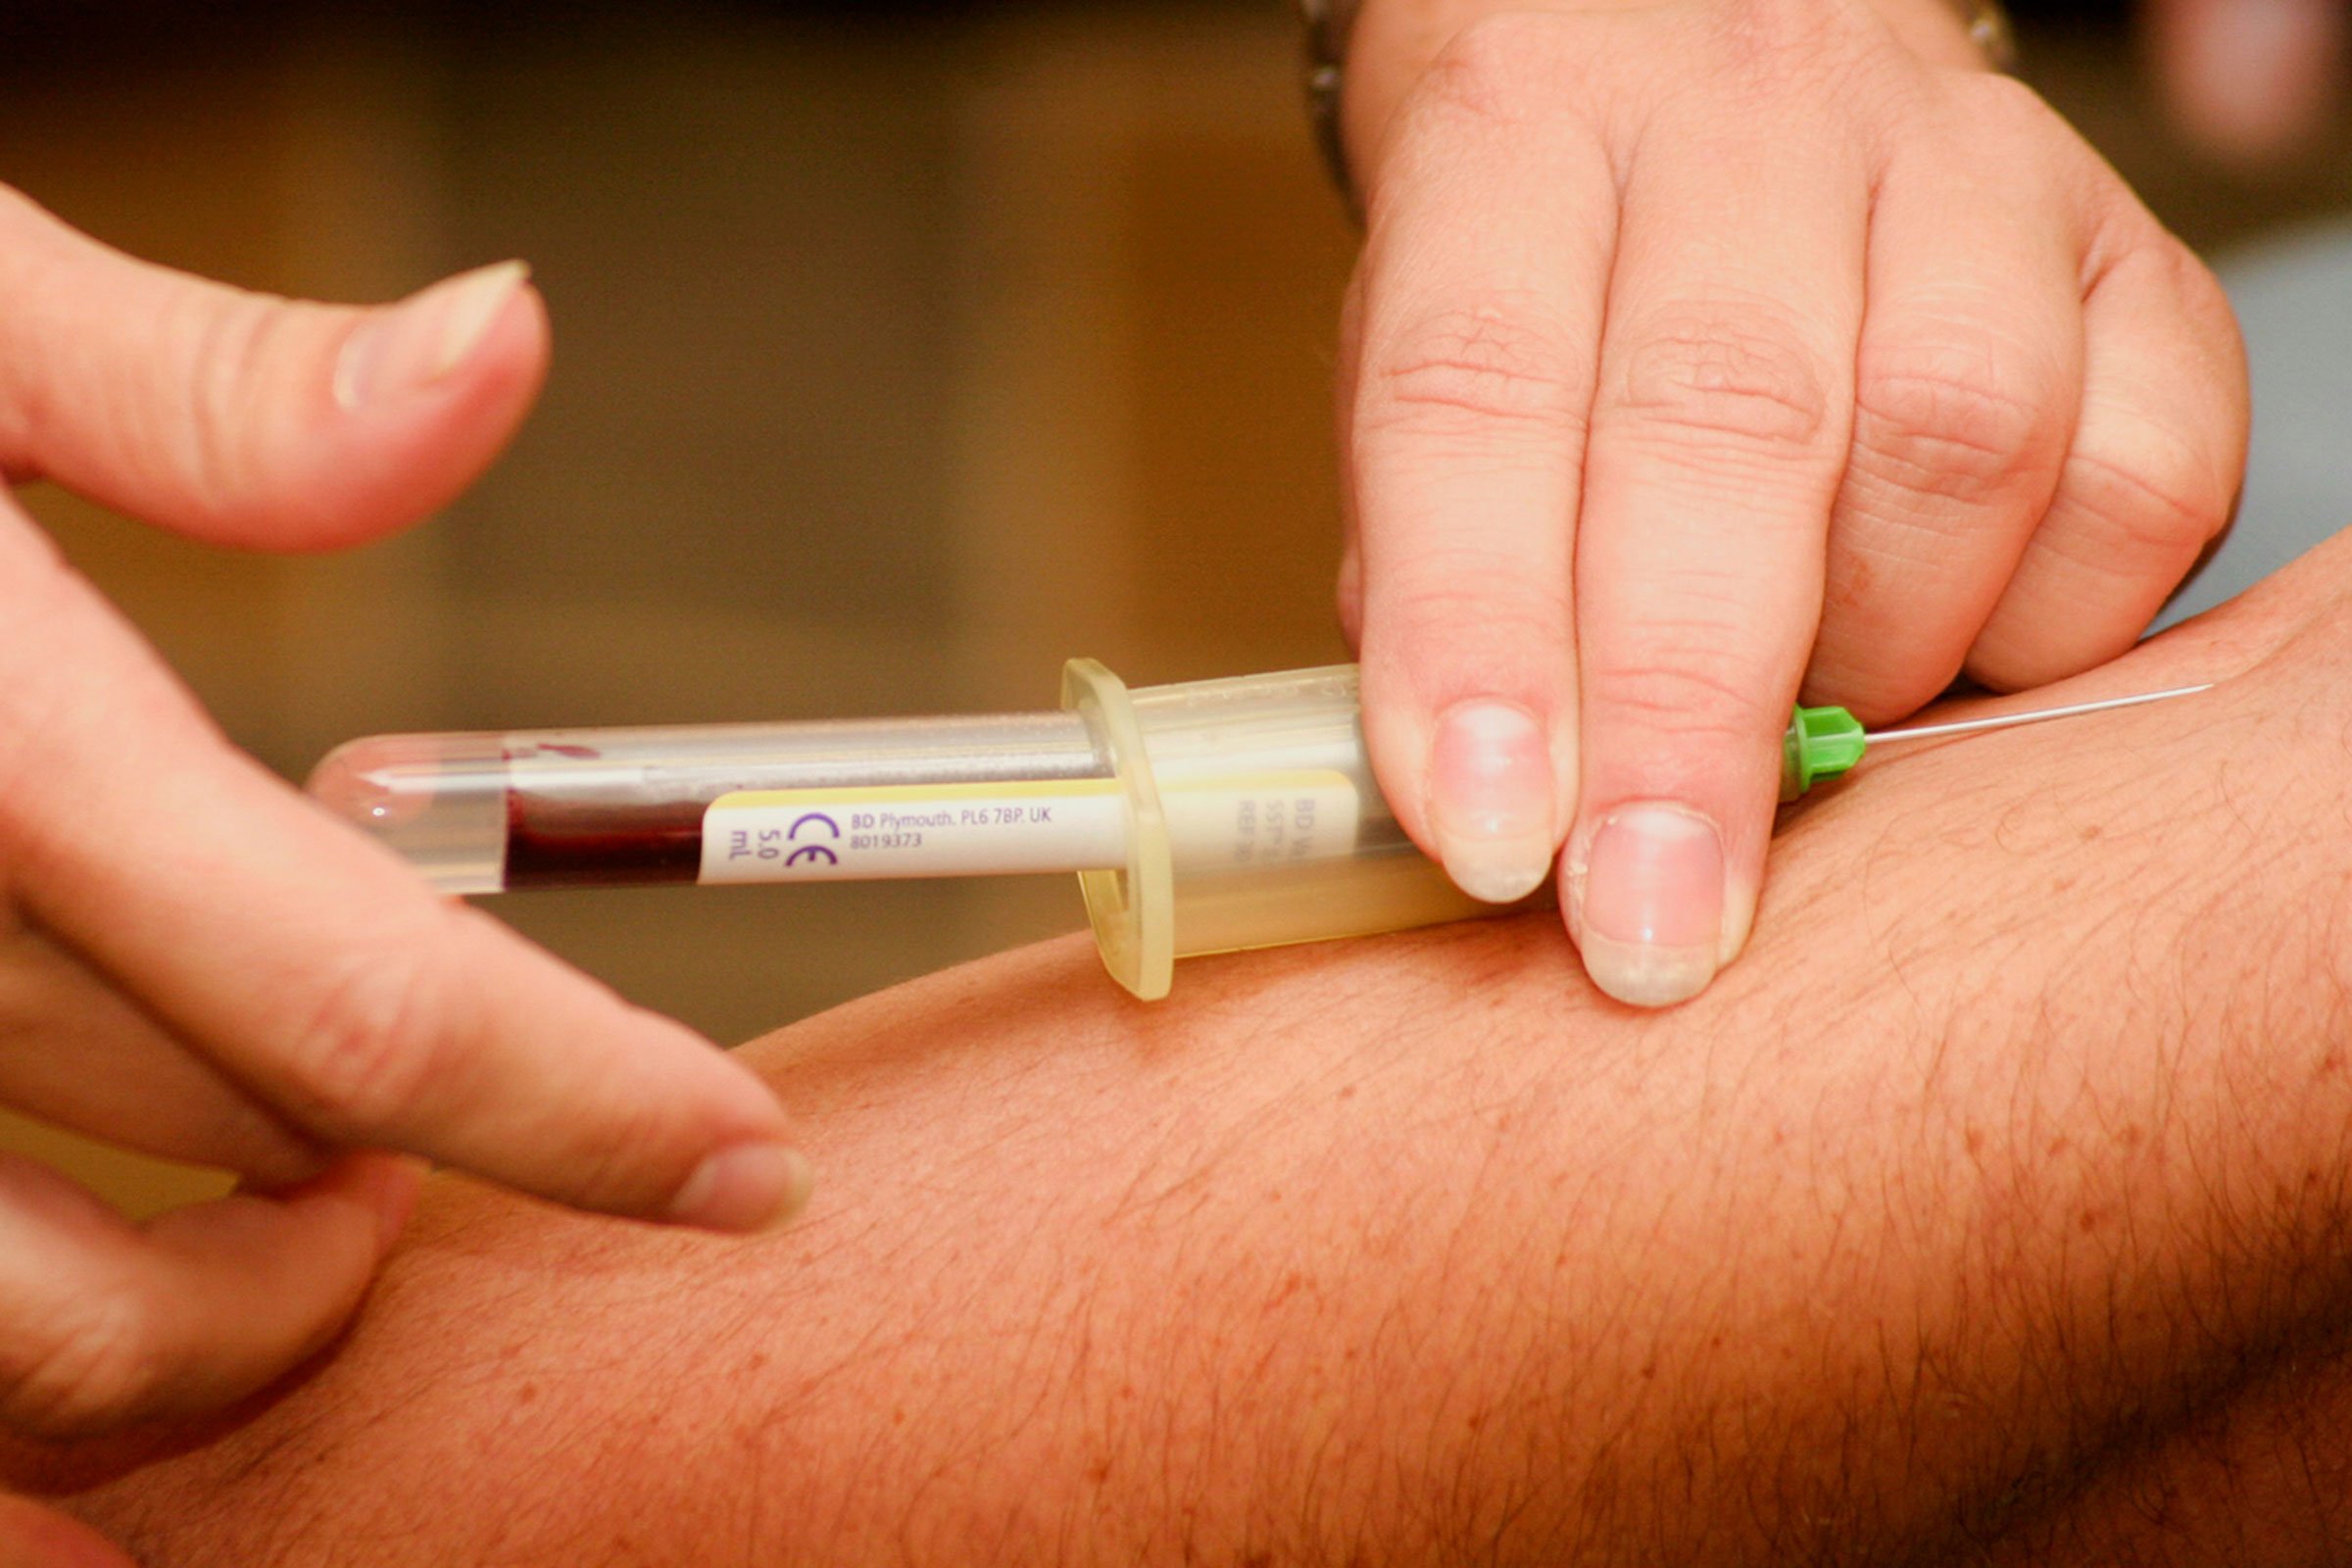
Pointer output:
76, 1052
103, 1322
2250, 80
35, 1536
1469, 416
318, 971
1966, 387
1718, 436
246, 419
1349, 588
2158, 454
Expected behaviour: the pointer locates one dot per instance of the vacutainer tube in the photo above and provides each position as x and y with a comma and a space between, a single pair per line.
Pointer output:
1202, 818
865, 798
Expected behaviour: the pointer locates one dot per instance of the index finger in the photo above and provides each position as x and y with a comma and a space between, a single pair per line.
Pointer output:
318, 971
1480, 304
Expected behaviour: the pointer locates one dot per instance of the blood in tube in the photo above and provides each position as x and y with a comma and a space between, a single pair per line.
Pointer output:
569, 844
553, 842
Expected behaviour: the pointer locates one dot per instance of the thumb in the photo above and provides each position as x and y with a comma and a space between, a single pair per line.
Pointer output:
246, 419
35, 1536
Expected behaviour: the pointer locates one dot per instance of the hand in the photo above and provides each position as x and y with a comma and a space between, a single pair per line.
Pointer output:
1705, 348
194, 961
2251, 80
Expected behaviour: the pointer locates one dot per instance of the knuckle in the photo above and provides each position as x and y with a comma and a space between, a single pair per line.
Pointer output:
1860, 679
376, 1034
1496, 366
1999, 109
1949, 419
229, 348
622, 1159
1496, 74
1684, 688
2151, 502
1711, 375
2205, 308
92, 1363
1463, 604
2203, 298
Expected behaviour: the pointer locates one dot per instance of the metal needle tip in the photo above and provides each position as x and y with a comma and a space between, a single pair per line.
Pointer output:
1971, 726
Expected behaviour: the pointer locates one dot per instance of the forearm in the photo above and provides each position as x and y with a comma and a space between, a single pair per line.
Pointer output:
2015, 1139
2263, 1480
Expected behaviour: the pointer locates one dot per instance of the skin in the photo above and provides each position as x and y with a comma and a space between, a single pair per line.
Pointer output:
2006, 1191
1552, 649
278, 999
1706, 353
2251, 82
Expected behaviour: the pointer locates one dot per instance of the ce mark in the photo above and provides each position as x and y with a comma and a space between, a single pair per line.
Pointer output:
813, 854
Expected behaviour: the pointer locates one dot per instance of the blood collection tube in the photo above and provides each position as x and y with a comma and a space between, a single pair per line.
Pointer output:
1201, 817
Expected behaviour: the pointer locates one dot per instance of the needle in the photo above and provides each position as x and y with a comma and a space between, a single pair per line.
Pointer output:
1972, 725
1824, 741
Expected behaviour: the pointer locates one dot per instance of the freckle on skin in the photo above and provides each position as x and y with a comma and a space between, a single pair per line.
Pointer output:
2091, 831
1974, 1139
2059, 1145
2087, 1221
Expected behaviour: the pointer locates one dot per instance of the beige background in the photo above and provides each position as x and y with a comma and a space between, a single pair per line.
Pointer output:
896, 362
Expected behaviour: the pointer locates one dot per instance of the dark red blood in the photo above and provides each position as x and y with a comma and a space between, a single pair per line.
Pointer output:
567, 844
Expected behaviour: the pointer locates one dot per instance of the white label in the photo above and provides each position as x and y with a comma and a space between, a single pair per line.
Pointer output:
914, 830
1250, 821
1233, 822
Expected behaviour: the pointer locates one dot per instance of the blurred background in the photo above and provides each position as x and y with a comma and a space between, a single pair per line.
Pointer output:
901, 353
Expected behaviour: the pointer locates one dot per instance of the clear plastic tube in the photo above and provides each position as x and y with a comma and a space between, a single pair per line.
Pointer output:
1202, 818
488, 812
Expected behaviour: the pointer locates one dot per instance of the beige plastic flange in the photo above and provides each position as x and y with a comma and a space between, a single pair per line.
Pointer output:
1133, 910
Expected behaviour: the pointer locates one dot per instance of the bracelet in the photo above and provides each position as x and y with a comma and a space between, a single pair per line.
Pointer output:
1988, 29
1328, 23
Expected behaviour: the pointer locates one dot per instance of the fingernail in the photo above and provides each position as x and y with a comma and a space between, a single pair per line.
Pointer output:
1490, 790
748, 1187
1650, 904
414, 344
